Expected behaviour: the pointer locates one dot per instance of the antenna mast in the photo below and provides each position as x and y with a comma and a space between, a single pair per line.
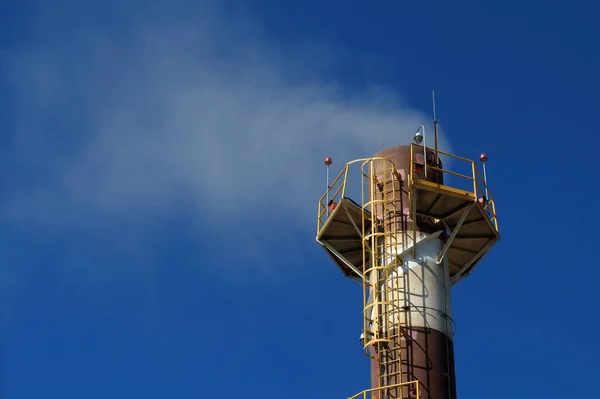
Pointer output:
435, 128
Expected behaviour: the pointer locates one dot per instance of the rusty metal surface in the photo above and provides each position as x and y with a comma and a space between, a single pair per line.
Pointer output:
400, 156
428, 357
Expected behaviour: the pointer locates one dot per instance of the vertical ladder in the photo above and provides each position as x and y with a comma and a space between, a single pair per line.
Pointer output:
384, 318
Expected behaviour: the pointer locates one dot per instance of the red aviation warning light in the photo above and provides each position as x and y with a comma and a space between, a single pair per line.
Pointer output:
332, 205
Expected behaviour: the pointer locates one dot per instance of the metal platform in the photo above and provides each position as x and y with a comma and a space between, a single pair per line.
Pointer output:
341, 237
467, 216
468, 222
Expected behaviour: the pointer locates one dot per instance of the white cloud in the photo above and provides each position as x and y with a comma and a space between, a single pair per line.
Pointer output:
196, 110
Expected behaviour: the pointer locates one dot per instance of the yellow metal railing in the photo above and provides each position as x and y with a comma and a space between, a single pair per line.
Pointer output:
380, 197
375, 393
479, 188
337, 190
383, 316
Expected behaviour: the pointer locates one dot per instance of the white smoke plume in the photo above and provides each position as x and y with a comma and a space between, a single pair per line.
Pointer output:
187, 108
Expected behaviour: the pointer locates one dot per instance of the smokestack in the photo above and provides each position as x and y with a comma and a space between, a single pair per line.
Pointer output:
414, 294
407, 240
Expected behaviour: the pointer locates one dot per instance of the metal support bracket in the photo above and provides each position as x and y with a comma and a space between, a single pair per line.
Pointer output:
458, 275
406, 254
360, 234
446, 247
414, 219
341, 257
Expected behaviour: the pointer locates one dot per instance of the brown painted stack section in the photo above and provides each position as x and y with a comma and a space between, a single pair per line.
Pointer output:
428, 356
400, 156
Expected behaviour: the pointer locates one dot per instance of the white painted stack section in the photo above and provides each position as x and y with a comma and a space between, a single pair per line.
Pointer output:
417, 292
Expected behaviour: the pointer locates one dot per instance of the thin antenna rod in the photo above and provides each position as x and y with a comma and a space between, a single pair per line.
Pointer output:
380, 145
433, 96
435, 129
328, 162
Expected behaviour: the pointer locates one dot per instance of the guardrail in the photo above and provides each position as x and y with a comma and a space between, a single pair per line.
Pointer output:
414, 393
479, 188
338, 187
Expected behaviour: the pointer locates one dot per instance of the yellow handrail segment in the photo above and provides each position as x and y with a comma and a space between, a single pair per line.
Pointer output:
415, 392
480, 188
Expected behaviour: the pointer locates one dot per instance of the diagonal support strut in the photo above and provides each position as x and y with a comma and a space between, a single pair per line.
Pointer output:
454, 232
341, 257
360, 234
476, 258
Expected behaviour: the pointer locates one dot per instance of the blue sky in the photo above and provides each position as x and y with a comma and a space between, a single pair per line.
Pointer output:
161, 165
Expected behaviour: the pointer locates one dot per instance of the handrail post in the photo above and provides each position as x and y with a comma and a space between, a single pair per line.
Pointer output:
409, 174
345, 180
474, 178
328, 189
